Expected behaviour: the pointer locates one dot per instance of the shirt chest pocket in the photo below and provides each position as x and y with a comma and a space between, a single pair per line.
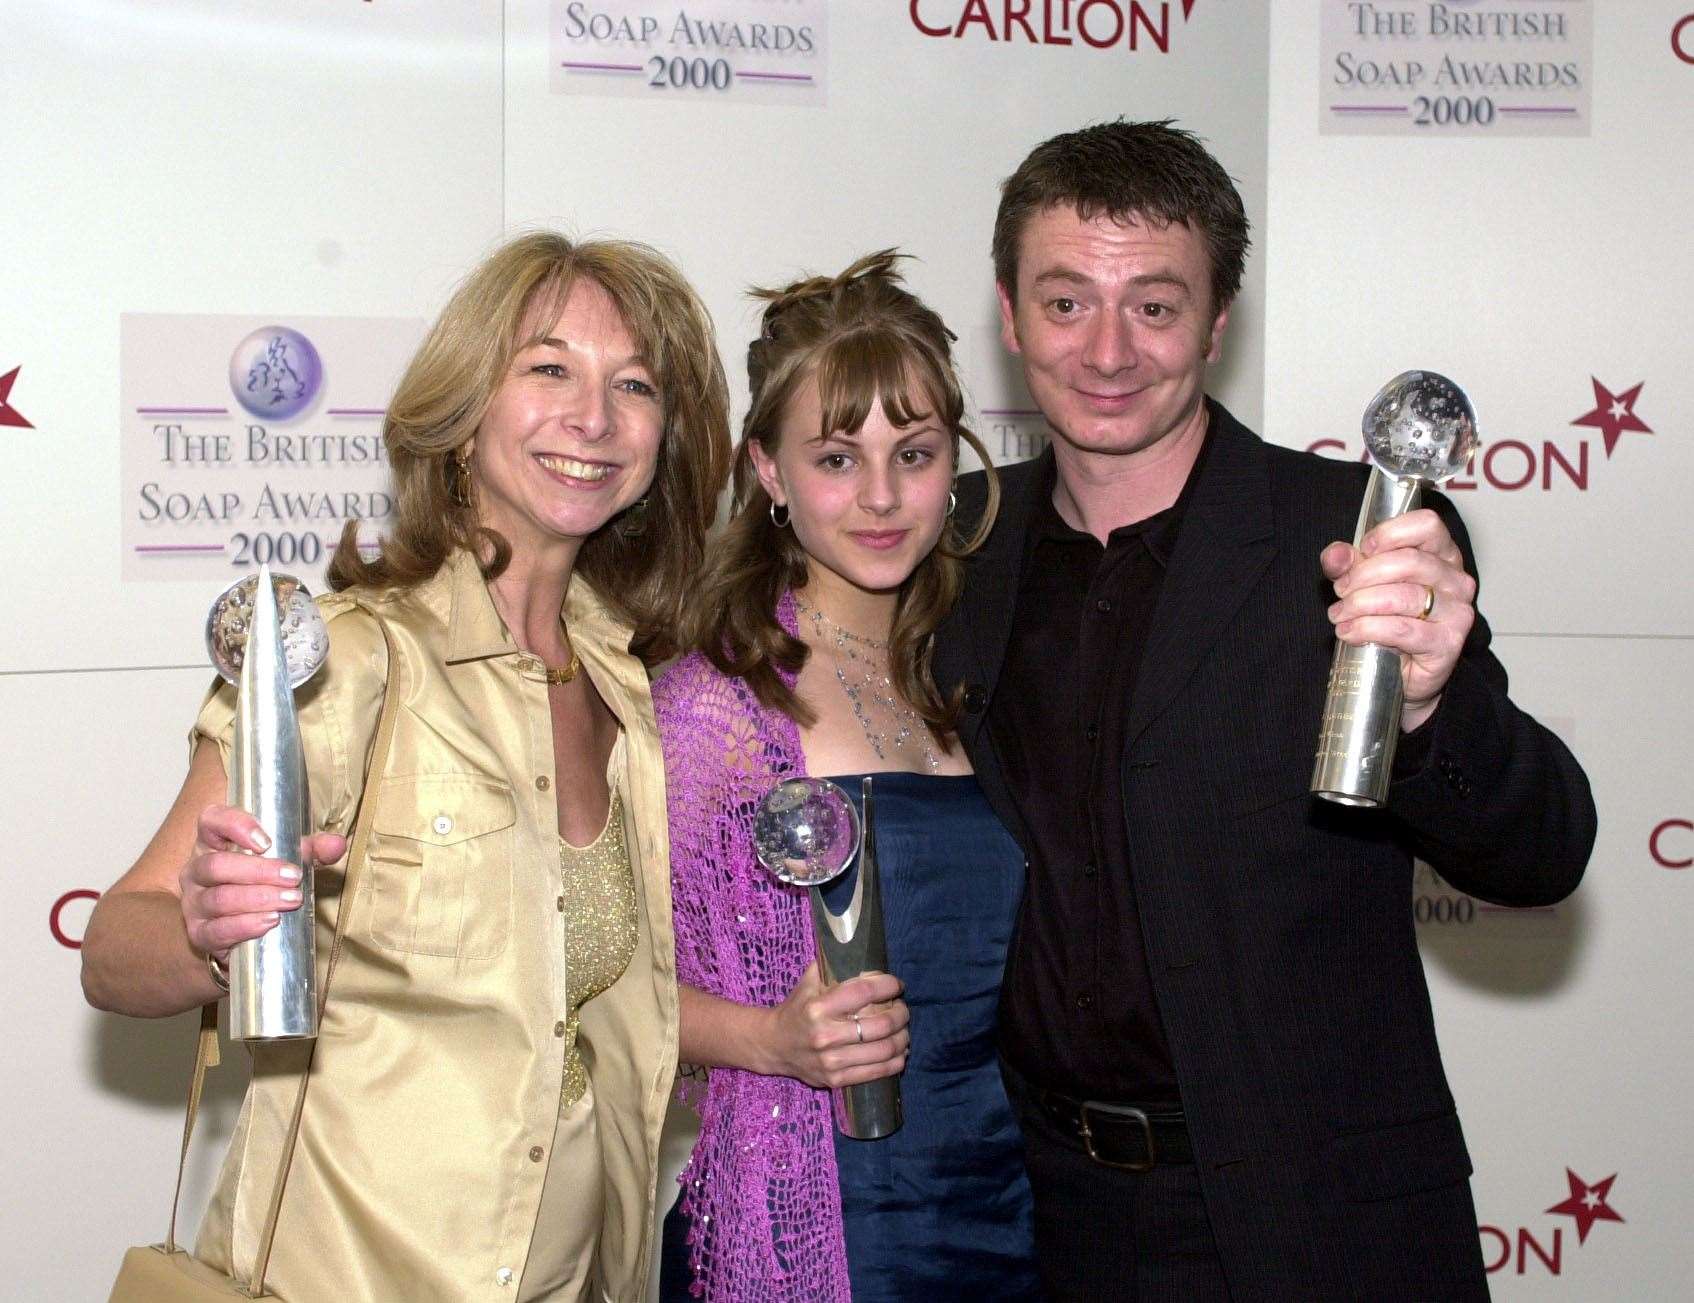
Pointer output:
440, 865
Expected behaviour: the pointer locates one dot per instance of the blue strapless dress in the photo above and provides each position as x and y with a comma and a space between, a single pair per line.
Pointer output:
941, 1209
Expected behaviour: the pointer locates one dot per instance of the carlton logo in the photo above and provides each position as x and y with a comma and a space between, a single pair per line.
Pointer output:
69, 916
1098, 24
1538, 1252
1671, 844
1515, 465
10, 415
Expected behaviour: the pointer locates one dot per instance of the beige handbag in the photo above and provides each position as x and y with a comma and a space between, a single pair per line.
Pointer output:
164, 1273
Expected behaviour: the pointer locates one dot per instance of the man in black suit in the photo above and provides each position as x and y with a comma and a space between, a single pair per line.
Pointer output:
1214, 1024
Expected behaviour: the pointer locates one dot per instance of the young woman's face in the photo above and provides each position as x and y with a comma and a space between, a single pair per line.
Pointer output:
867, 506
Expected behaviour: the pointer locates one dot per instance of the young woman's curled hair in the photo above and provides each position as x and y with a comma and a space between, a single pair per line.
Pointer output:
864, 338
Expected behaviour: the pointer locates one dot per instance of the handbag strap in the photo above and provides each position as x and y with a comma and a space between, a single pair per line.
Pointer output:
206, 1053
205, 1056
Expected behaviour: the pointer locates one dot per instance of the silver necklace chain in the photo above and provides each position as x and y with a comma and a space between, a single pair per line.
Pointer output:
861, 667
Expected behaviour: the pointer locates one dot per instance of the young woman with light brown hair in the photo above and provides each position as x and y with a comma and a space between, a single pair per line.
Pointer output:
487, 1087
811, 637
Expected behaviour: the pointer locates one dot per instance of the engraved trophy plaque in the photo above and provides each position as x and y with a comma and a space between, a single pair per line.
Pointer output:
1419, 429
807, 832
265, 636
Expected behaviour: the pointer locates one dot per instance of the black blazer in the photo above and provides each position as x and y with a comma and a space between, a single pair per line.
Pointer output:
1279, 929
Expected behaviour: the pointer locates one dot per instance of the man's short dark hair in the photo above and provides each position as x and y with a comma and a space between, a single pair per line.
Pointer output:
1128, 171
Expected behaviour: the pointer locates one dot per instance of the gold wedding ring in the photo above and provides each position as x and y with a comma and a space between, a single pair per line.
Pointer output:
1428, 602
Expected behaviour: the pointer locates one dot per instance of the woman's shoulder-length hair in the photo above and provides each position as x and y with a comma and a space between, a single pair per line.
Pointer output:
642, 564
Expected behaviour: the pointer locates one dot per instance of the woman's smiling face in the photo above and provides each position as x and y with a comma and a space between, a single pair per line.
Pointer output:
571, 436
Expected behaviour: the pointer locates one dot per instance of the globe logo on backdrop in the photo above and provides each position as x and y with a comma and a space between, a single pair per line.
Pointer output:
275, 373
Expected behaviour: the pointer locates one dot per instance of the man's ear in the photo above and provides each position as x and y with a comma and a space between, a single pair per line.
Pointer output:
1008, 319
1214, 349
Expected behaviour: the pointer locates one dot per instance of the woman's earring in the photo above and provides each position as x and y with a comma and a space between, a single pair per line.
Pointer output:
952, 502
460, 486
783, 507
634, 522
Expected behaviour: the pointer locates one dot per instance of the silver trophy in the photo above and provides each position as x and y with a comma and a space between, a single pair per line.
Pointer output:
265, 636
1419, 429
807, 832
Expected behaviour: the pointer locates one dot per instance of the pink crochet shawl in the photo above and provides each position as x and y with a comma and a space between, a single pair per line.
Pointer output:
760, 1191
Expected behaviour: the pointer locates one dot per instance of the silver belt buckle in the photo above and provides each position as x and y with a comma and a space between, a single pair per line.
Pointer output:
1117, 1111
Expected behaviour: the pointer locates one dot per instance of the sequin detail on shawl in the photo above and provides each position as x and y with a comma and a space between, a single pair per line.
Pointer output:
760, 1191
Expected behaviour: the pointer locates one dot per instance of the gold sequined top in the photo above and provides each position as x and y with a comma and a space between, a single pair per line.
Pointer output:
600, 924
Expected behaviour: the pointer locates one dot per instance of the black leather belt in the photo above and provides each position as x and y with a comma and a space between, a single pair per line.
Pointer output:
1117, 1135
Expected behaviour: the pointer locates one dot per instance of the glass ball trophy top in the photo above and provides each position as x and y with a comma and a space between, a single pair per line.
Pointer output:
305, 639
1420, 426
806, 831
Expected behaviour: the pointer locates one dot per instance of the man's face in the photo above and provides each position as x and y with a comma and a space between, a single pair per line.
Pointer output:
1114, 323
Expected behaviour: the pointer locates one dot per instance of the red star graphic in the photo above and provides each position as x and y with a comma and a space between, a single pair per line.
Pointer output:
1614, 413
1587, 1203
10, 415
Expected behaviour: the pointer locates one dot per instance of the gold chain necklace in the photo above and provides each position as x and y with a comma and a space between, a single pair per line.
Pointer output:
554, 674
562, 673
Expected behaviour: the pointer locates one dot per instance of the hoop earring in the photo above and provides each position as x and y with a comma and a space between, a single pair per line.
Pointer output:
634, 522
952, 502
786, 514
461, 487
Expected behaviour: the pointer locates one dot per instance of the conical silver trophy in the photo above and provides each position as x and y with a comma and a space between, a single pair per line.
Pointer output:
1419, 429
807, 832
265, 636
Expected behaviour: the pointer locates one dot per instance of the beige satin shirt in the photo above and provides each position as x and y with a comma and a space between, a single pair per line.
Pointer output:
435, 1089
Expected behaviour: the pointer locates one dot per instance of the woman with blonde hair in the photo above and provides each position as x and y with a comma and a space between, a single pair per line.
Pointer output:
484, 1098
811, 640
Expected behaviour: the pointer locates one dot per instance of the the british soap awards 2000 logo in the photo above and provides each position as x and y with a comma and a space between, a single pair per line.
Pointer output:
275, 373
1456, 68
249, 442
1447, 916
1010, 425
758, 51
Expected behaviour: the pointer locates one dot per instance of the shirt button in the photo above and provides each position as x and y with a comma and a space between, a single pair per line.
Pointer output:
558, 1029
1093, 734
1083, 1002
535, 1153
1088, 870
543, 783
560, 902
1104, 605
505, 1276
442, 825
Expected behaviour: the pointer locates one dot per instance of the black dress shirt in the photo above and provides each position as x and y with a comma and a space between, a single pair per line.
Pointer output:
1078, 1013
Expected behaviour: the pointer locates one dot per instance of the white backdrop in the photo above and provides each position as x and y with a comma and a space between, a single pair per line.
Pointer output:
279, 164
1532, 269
